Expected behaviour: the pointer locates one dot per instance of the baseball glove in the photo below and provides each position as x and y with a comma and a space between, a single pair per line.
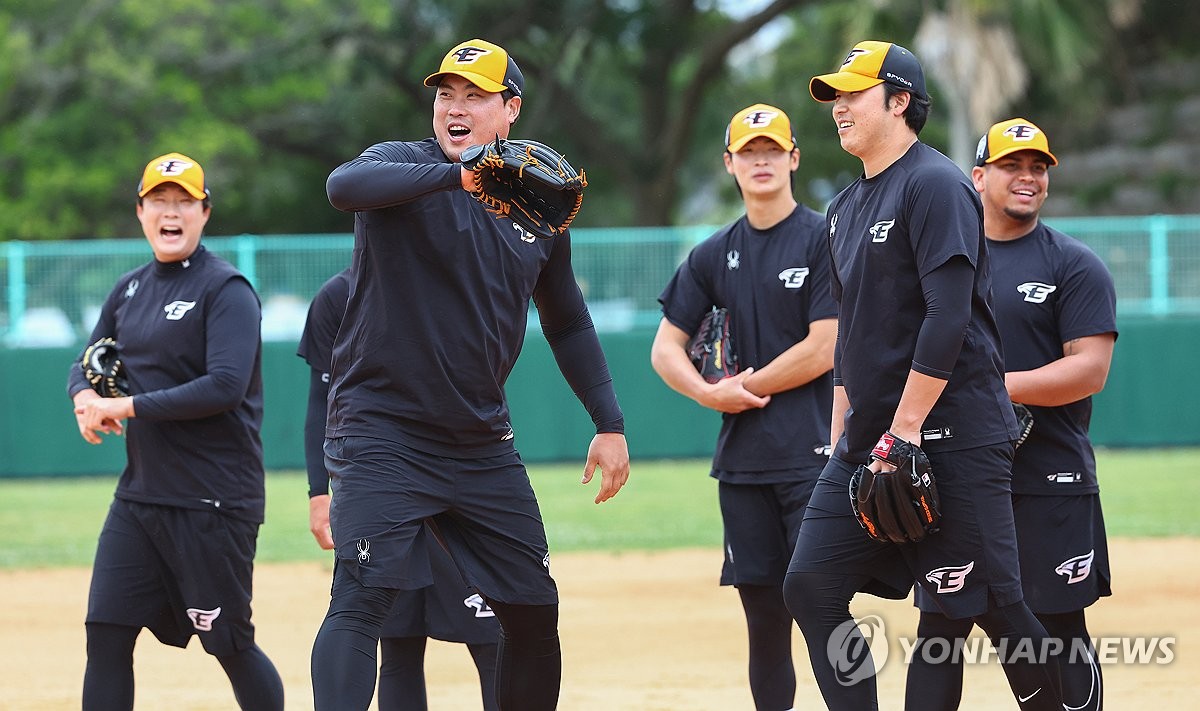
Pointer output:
102, 367
711, 348
529, 182
1024, 422
898, 506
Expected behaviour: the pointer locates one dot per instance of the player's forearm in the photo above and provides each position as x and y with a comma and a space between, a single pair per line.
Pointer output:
799, 365
921, 393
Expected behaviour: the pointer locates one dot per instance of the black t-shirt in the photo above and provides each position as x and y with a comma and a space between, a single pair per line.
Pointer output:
324, 317
439, 307
886, 234
774, 282
1048, 289
188, 335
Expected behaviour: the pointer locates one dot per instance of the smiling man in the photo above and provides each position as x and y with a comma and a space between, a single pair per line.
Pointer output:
1056, 308
917, 360
415, 451
176, 553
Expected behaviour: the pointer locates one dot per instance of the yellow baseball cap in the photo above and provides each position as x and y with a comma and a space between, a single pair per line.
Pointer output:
486, 65
759, 120
174, 168
871, 63
1010, 136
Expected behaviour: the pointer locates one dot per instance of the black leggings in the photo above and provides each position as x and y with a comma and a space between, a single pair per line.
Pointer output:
769, 628
1082, 682
528, 667
935, 678
820, 602
108, 677
402, 673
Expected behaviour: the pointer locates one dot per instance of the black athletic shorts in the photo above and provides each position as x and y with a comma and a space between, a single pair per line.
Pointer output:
177, 572
389, 499
966, 568
761, 522
448, 610
1064, 551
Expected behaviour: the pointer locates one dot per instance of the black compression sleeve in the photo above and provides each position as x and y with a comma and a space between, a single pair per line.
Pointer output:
948, 290
314, 433
581, 360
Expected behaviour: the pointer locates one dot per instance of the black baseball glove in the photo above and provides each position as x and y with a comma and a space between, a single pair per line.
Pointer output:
102, 367
711, 347
1024, 422
528, 181
898, 506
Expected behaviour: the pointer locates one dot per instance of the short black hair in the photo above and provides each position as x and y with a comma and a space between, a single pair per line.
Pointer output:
917, 112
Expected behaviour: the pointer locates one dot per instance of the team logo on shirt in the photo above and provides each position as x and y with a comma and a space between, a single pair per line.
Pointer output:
477, 603
951, 578
733, 260
879, 231
363, 546
203, 619
1077, 569
832, 225
131, 289
793, 278
1036, 292
177, 309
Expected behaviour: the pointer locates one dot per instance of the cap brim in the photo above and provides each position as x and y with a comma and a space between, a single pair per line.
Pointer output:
477, 79
1017, 149
741, 142
190, 190
824, 88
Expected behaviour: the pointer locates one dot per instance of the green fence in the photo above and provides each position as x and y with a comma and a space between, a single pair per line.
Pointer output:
51, 292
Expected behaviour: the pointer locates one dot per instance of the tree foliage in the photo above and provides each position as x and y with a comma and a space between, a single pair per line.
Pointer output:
270, 95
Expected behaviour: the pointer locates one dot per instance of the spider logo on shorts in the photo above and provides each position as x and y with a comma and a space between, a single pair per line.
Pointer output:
364, 550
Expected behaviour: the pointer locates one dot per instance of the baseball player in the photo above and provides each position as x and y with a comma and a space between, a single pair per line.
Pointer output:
419, 441
770, 269
918, 359
176, 553
1056, 308
446, 610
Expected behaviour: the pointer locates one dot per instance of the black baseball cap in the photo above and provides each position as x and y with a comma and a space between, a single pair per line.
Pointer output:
871, 63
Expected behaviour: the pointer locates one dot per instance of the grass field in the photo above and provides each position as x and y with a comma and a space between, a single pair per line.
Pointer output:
666, 505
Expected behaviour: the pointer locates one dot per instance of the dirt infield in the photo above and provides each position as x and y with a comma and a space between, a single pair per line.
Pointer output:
641, 632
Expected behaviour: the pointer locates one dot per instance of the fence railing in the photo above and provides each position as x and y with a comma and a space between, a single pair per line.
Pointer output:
50, 292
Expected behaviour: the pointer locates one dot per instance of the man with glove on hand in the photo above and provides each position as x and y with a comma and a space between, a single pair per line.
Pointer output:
442, 282
1056, 308
917, 368
769, 273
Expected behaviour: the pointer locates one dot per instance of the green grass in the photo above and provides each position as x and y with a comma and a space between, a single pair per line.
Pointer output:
667, 504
